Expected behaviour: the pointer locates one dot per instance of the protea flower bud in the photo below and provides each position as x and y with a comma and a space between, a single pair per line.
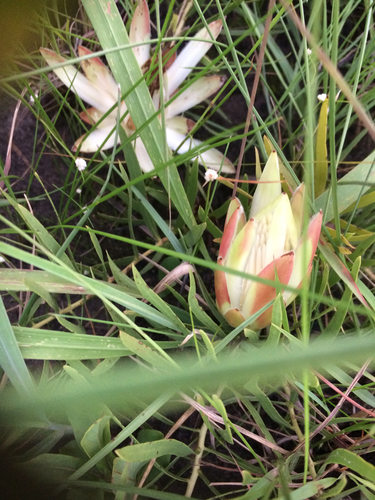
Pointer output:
269, 246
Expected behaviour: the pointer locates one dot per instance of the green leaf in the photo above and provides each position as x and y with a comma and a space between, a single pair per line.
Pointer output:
122, 386
158, 302
335, 490
214, 230
197, 310
367, 493
104, 366
16, 280
310, 489
153, 449
345, 379
81, 417
268, 407
121, 278
194, 235
353, 462
321, 163
40, 232
43, 446
338, 319
208, 344
97, 436
145, 352
135, 173
191, 183
146, 435
101, 289
51, 468
340, 269
42, 292
50, 344
160, 222
364, 201
134, 424
70, 326
277, 318
11, 359
262, 488
111, 32
220, 407
96, 244
363, 246
125, 473
354, 184
367, 294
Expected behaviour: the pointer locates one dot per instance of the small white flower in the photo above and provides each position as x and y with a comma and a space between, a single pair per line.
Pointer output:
309, 52
2, 259
78, 190
322, 97
32, 99
210, 175
81, 164
86, 272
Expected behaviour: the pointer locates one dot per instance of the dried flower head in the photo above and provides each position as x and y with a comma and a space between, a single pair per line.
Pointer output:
81, 164
210, 175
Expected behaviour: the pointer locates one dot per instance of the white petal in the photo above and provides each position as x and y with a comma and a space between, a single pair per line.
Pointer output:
156, 99
73, 79
190, 56
98, 73
93, 115
143, 157
180, 124
195, 94
95, 139
276, 231
267, 193
210, 159
140, 32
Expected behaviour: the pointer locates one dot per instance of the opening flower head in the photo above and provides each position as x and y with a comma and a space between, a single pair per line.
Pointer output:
270, 246
98, 88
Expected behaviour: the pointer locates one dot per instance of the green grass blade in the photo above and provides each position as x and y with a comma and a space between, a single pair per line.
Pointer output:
354, 184
11, 359
50, 344
103, 290
111, 32
352, 461
321, 162
231, 368
154, 449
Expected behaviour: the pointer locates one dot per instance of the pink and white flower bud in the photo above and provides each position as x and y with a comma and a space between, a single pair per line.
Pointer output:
270, 245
